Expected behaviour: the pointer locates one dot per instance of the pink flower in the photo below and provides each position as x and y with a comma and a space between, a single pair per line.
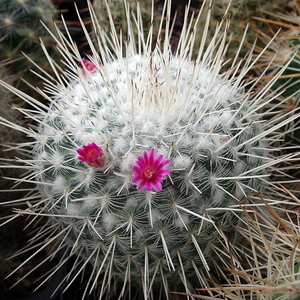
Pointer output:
89, 66
92, 155
150, 171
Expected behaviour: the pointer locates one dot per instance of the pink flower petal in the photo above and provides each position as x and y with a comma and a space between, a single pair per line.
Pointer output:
164, 172
141, 185
148, 186
136, 169
136, 179
157, 186
80, 152
151, 156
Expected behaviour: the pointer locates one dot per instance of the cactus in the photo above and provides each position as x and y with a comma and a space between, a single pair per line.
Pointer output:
275, 250
289, 286
243, 14
285, 45
21, 31
144, 164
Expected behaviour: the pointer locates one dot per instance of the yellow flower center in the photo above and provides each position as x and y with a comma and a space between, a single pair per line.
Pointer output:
149, 175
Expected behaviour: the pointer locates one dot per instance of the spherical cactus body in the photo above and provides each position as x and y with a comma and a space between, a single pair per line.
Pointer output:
150, 106
146, 161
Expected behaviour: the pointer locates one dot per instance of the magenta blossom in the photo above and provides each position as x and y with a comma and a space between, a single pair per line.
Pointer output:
150, 171
89, 66
92, 155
